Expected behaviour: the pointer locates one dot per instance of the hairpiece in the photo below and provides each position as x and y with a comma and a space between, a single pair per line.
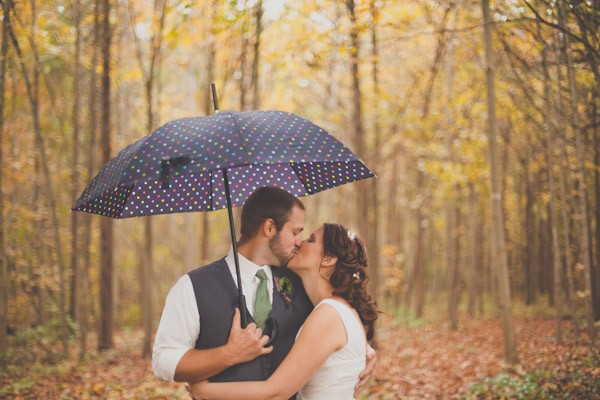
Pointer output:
351, 235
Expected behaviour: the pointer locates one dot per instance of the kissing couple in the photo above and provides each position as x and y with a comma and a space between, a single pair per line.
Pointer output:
310, 313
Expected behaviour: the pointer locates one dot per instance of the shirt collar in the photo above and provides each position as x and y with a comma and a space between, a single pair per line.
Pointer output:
248, 269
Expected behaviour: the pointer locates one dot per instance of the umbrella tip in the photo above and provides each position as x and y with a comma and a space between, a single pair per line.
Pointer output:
214, 95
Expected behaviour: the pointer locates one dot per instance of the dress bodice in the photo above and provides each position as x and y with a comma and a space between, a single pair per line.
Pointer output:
336, 378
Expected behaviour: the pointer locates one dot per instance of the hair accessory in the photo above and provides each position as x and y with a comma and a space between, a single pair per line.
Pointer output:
356, 275
351, 235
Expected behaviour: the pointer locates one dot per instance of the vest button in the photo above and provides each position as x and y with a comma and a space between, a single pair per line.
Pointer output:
268, 367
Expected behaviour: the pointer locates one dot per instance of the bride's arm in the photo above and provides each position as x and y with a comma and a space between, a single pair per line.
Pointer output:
323, 333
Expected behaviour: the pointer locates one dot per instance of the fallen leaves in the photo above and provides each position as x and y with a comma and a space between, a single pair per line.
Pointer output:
433, 362
426, 361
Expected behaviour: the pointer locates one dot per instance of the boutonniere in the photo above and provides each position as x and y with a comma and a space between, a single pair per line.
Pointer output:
285, 288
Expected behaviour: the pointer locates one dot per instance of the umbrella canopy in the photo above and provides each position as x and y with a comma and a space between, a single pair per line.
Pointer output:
215, 162
180, 167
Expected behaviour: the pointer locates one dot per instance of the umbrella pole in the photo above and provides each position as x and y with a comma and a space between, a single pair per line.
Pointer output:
241, 297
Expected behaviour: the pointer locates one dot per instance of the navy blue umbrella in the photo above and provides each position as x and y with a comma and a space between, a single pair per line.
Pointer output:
217, 161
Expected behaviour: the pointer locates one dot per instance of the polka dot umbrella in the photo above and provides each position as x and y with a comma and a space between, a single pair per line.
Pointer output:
181, 166
217, 161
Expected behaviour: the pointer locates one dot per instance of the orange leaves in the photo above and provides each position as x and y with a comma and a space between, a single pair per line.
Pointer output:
432, 362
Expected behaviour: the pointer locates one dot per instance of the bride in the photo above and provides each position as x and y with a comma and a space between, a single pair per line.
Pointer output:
330, 348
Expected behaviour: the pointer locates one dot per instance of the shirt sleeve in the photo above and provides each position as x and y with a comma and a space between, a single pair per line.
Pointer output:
178, 329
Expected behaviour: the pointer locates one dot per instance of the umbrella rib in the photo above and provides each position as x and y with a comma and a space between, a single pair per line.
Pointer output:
296, 170
239, 132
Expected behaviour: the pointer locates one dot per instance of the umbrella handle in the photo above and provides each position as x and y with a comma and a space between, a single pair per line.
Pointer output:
271, 329
214, 95
243, 315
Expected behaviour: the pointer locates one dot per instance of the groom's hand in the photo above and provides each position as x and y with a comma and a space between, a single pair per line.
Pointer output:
366, 373
246, 344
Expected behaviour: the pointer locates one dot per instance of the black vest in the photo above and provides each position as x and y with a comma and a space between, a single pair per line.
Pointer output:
216, 296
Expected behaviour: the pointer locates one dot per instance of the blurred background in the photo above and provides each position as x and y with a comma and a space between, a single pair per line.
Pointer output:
479, 118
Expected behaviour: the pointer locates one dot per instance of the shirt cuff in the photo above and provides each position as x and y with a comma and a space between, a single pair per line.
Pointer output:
164, 363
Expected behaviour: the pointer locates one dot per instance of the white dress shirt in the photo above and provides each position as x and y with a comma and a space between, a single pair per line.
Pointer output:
179, 324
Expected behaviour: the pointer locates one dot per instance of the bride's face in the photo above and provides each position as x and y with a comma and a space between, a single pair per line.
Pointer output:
310, 254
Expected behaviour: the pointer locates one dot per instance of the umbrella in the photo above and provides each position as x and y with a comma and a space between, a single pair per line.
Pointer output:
215, 162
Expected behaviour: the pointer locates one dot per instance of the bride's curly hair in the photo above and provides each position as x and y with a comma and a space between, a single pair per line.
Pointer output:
349, 278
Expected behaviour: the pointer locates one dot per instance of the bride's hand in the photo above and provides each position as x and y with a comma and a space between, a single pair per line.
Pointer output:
196, 389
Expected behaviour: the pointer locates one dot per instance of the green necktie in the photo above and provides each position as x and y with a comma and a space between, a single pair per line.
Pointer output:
262, 304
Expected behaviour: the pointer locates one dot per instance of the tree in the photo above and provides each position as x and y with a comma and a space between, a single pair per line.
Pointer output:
3, 262
87, 224
105, 335
75, 169
585, 238
497, 234
149, 73
33, 97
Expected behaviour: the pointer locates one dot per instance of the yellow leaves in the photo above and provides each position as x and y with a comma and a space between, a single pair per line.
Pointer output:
132, 75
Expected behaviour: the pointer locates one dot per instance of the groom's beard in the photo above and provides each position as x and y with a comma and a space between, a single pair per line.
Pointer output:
277, 249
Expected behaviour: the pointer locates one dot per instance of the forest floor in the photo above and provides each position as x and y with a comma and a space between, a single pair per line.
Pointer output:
417, 360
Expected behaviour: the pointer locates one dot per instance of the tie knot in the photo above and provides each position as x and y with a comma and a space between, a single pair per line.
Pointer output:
260, 274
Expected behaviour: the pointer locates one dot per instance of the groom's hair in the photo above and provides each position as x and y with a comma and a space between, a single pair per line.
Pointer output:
266, 202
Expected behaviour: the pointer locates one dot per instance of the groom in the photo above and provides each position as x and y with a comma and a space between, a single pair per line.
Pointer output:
196, 337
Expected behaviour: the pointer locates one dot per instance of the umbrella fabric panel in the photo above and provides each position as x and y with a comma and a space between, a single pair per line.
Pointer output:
189, 189
212, 142
108, 204
246, 179
320, 176
277, 137
191, 192
110, 177
185, 193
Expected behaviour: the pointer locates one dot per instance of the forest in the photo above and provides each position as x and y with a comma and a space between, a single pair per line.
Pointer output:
480, 119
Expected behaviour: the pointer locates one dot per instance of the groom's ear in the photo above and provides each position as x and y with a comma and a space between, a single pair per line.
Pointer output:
268, 227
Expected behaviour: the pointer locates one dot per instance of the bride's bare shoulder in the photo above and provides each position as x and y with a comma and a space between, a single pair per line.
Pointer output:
325, 323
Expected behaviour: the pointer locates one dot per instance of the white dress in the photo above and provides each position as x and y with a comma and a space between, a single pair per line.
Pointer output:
336, 378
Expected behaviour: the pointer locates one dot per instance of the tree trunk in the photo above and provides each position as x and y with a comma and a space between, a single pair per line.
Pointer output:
243, 60
497, 237
3, 259
596, 287
452, 254
146, 266
363, 188
473, 277
530, 275
452, 212
105, 336
204, 238
256, 63
376, 275
75, 284
87, 237
420, 267
147, 259
564, 207
32, 94
556, 254
585, 234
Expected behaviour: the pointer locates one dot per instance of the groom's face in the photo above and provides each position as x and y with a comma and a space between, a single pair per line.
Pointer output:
287, 241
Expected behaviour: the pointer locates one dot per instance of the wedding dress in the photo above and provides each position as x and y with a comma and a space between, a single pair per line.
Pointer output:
336, 378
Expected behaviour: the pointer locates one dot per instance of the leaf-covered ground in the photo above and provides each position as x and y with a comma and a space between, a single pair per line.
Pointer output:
427, 361
433, 362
